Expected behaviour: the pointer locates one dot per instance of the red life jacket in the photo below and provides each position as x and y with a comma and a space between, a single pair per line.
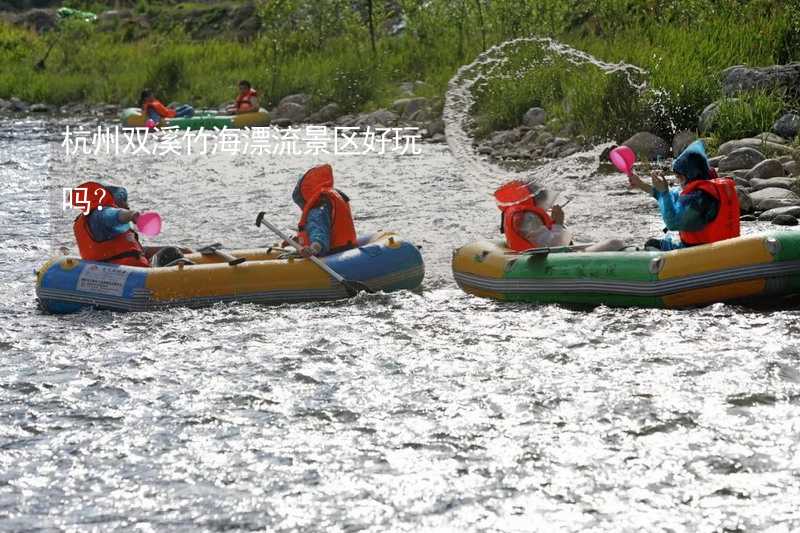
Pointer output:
159, 108
726, 224
514, 198
124, 249
315, 185
246, 99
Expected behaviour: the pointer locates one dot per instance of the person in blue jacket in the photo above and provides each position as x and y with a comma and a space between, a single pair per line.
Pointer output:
704, 209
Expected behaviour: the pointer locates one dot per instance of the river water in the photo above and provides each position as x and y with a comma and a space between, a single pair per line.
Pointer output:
430, 411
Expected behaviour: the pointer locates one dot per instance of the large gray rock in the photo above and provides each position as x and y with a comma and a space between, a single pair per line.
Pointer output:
327, 113
767, 216
649, 146
405, 107
765, 147
17, 105
534, 116
745, 202
500, 138
788, 126
382, 118
291, 111
785, 220
773, 197
792, 168
681, 140
709, 115
741, 158
769, 168
782, 183
740, 78
40, 108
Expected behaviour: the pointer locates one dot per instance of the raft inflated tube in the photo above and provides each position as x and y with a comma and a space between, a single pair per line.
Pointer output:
383, 262
758, 269
133, 118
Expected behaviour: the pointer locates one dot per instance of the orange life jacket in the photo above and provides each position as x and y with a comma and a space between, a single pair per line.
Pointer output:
726, 224
159, 108
246, 99
315, 185
514, 198
124, 249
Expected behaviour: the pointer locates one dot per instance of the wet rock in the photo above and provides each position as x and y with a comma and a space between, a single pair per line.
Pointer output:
382, 118
405, 107
40, 108
773, 197
740, 78
784, 220
788, 126
347, 121
4, 104
505, 137
792, 168
710, 113
769, 168
327, 113
18, 106
769, 215
781, 183
745, 201
534, 116
768, 148
741, 158
438, 138
281, 122
649, 146
435, 127
485, 150
291, 111
681, 140
748, 218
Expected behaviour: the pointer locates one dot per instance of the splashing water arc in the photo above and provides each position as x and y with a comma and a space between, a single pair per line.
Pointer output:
459, 100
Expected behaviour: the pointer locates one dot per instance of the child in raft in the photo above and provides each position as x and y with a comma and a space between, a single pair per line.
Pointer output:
703, 209
526, 223
156, 111
246, 101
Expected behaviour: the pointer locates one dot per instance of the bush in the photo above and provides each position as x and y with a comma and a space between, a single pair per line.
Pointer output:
747, 115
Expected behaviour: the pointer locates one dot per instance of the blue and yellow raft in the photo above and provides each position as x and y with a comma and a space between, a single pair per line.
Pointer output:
383, 262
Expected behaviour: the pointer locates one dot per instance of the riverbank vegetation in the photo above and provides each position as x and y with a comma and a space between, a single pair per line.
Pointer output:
358, 53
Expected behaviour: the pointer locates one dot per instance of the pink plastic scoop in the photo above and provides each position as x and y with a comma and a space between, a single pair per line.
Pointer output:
623, 158
149, 223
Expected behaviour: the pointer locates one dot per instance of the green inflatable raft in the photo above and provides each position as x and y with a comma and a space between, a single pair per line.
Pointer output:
757, 269
133, 118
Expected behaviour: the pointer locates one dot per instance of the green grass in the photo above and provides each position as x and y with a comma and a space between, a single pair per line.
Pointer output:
322, 48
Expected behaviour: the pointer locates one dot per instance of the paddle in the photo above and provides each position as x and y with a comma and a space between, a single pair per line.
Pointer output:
352, 287
545, 250
214, 249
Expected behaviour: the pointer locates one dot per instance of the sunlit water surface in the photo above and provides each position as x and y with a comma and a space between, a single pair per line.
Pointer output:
431, 411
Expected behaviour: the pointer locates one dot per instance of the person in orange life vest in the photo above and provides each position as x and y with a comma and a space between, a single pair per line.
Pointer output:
246, 101
104, 232
156, 111
526, 223
326, 223
704, 209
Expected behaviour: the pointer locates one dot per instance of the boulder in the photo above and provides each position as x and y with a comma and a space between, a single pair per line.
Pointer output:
17, 105
40, 108
382, 118
792, 168
782, 183
741, 158
438, 138
649, 146
534, 116
747, 218
681, 140
765, 147
769, 168
740, 78
291, 111
784, 220
327, 113
435, 127
773, 197
772, 213
745, 201
405, 107
500, 138
788, 126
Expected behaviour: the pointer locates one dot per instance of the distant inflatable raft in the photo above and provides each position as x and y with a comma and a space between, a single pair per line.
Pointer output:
133, 118
383, 262
755, 269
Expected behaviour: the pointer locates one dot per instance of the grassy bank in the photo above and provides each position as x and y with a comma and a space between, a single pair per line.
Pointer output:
325, 49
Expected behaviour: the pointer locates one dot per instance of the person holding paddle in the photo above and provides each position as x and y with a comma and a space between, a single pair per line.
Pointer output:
526, 223
326, 223
703, 209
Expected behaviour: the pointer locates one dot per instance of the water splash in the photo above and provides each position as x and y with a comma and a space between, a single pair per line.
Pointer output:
481, 173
